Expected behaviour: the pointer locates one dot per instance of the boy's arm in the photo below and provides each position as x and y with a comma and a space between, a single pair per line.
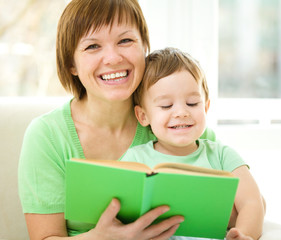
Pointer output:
250, 207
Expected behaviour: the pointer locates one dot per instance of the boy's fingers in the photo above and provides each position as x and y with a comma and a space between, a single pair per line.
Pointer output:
233, 233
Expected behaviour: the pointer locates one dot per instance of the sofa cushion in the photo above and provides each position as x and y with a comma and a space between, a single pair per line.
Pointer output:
16, 114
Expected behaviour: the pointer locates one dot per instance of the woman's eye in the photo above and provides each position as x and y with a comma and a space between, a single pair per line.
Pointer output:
126, 40
192, 104
92, 46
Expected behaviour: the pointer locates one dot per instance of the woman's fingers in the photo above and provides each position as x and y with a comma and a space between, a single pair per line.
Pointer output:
167, 234
110, 213
109, 227
149, 217
162, 230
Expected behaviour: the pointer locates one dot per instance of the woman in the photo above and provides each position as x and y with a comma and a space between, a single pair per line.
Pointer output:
101, 48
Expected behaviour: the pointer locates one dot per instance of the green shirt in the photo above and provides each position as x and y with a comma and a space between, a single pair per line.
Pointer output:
50, 140
209, 154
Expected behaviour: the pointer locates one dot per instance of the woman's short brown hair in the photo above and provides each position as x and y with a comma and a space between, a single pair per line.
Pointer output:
82, 16
162, 63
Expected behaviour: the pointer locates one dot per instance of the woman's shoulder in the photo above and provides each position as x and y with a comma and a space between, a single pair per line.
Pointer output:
143, 135
57, 117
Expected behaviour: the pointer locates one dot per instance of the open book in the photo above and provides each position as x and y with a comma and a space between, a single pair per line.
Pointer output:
205, 197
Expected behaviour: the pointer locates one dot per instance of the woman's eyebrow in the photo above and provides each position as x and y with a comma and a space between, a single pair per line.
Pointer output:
85, 39
123, 33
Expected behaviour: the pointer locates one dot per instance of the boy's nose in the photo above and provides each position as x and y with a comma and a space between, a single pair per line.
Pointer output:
181, 112
112, 56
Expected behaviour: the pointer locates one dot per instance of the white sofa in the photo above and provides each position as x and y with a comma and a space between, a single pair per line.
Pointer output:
16, 113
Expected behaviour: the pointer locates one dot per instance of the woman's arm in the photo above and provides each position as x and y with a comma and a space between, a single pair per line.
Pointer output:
53, 226
250, 208
42, 226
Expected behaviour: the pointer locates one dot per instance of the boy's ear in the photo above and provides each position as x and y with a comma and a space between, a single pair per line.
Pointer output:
207, 105
141, 116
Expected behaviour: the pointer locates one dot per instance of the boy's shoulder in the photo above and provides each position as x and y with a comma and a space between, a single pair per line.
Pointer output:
135, 153
210, 144
209, 134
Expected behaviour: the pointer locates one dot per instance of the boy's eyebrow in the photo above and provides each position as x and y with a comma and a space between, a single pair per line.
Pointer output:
195, 94
166, 96
161, 97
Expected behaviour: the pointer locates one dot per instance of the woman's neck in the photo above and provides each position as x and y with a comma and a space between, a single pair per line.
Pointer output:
111, 115
105, 130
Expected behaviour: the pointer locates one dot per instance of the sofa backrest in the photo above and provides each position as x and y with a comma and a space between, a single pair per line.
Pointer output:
16, 114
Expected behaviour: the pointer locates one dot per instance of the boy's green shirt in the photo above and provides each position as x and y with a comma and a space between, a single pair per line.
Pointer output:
209, 154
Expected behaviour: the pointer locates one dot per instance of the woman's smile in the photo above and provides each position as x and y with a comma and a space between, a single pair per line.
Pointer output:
117, 76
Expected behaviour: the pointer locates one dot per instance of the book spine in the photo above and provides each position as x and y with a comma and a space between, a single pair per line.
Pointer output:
148, 188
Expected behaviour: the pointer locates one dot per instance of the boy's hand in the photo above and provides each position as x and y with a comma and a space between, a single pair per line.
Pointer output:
236, 234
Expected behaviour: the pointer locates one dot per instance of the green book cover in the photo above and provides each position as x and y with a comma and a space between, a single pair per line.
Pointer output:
204, 200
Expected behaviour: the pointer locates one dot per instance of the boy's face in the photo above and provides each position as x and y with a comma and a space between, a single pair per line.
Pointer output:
175, 108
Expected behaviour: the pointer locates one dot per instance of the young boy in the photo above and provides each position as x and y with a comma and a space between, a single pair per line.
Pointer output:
173, 99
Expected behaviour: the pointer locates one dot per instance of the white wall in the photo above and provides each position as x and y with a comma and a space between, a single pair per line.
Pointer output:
190, 25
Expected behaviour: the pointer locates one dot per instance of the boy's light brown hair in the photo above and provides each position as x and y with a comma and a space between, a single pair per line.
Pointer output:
162, 63
82, 16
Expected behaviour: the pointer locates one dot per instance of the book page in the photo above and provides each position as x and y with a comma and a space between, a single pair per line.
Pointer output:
183, 168
135, 166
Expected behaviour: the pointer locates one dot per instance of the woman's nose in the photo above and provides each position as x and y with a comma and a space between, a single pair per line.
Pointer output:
112, 56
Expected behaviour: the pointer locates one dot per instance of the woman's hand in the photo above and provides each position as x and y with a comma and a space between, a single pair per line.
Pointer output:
109, 227
236, 234
53, 226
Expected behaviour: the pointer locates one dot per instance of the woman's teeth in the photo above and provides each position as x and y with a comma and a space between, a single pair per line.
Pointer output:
114, 76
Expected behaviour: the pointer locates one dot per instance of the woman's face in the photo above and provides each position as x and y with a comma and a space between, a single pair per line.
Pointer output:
110, 62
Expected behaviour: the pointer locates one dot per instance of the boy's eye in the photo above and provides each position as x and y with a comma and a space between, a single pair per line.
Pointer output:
166, 106
191, 104
92, 46
126, 40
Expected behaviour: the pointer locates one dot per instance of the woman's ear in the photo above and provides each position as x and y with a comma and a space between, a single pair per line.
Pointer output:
73, 71
146, 51
141, 116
